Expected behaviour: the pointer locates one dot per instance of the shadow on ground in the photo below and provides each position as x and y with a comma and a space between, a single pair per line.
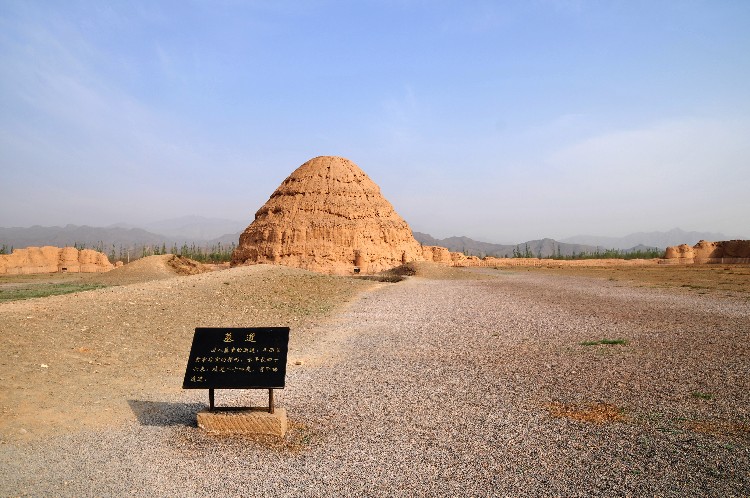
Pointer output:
162, 414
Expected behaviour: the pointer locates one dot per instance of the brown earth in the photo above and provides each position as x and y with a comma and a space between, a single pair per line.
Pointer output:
730, 280
597, 412
74, 361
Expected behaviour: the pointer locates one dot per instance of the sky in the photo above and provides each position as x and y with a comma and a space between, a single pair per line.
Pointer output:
503, 121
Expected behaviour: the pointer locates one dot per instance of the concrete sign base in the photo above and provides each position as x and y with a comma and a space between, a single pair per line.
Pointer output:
243, 421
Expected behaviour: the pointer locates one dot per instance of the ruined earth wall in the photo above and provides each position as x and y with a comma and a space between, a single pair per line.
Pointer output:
436, 254
726, 251
49, 259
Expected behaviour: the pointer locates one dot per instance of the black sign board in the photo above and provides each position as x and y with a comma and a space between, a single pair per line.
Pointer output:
237, 358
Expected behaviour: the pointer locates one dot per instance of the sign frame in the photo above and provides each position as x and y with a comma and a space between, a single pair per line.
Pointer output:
237, 358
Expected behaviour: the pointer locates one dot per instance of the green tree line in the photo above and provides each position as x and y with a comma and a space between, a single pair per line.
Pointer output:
605, 254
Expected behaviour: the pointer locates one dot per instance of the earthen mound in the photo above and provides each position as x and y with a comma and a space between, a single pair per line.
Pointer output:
328, 216
141, 270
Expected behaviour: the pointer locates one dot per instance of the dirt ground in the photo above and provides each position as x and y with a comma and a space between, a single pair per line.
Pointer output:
72, 361
730, 280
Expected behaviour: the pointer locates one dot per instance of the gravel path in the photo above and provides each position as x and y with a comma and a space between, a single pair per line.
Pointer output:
469, 387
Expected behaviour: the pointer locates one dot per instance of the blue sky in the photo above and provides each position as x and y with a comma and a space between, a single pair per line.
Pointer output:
503, 121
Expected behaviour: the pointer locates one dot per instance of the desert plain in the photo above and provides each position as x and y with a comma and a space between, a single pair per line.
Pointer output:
452, 382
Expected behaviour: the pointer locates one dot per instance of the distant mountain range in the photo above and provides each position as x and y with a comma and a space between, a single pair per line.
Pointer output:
541, 248
641, 241
70, 235
191, 228
204, 232
662, 240
208, 232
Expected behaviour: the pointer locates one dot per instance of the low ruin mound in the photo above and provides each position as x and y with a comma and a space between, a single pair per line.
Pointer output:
141, 270
328, 216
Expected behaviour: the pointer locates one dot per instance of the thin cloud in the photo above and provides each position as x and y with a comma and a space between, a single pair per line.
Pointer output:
675, 152
678, 173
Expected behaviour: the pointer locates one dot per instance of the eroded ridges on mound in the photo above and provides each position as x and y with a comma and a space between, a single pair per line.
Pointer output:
329, 185
328, 216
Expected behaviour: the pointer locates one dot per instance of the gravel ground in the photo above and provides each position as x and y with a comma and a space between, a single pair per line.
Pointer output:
475, 386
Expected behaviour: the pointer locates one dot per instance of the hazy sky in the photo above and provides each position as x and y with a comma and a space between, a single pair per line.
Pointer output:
500, 120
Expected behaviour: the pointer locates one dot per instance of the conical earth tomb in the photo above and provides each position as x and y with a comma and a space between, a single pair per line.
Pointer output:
328, 216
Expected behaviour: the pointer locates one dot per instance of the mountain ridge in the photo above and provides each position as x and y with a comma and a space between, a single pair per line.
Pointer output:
662, 240
106, 238
539, 248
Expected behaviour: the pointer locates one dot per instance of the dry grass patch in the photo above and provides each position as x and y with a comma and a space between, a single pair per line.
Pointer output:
597, 413
720, 428
33, 290
605, 342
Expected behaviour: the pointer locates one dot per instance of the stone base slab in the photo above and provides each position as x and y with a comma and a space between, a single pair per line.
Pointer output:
243, 421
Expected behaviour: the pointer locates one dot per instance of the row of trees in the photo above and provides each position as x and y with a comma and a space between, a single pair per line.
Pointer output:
216, 253
606, 254
220, 253
617, 254
526, 252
